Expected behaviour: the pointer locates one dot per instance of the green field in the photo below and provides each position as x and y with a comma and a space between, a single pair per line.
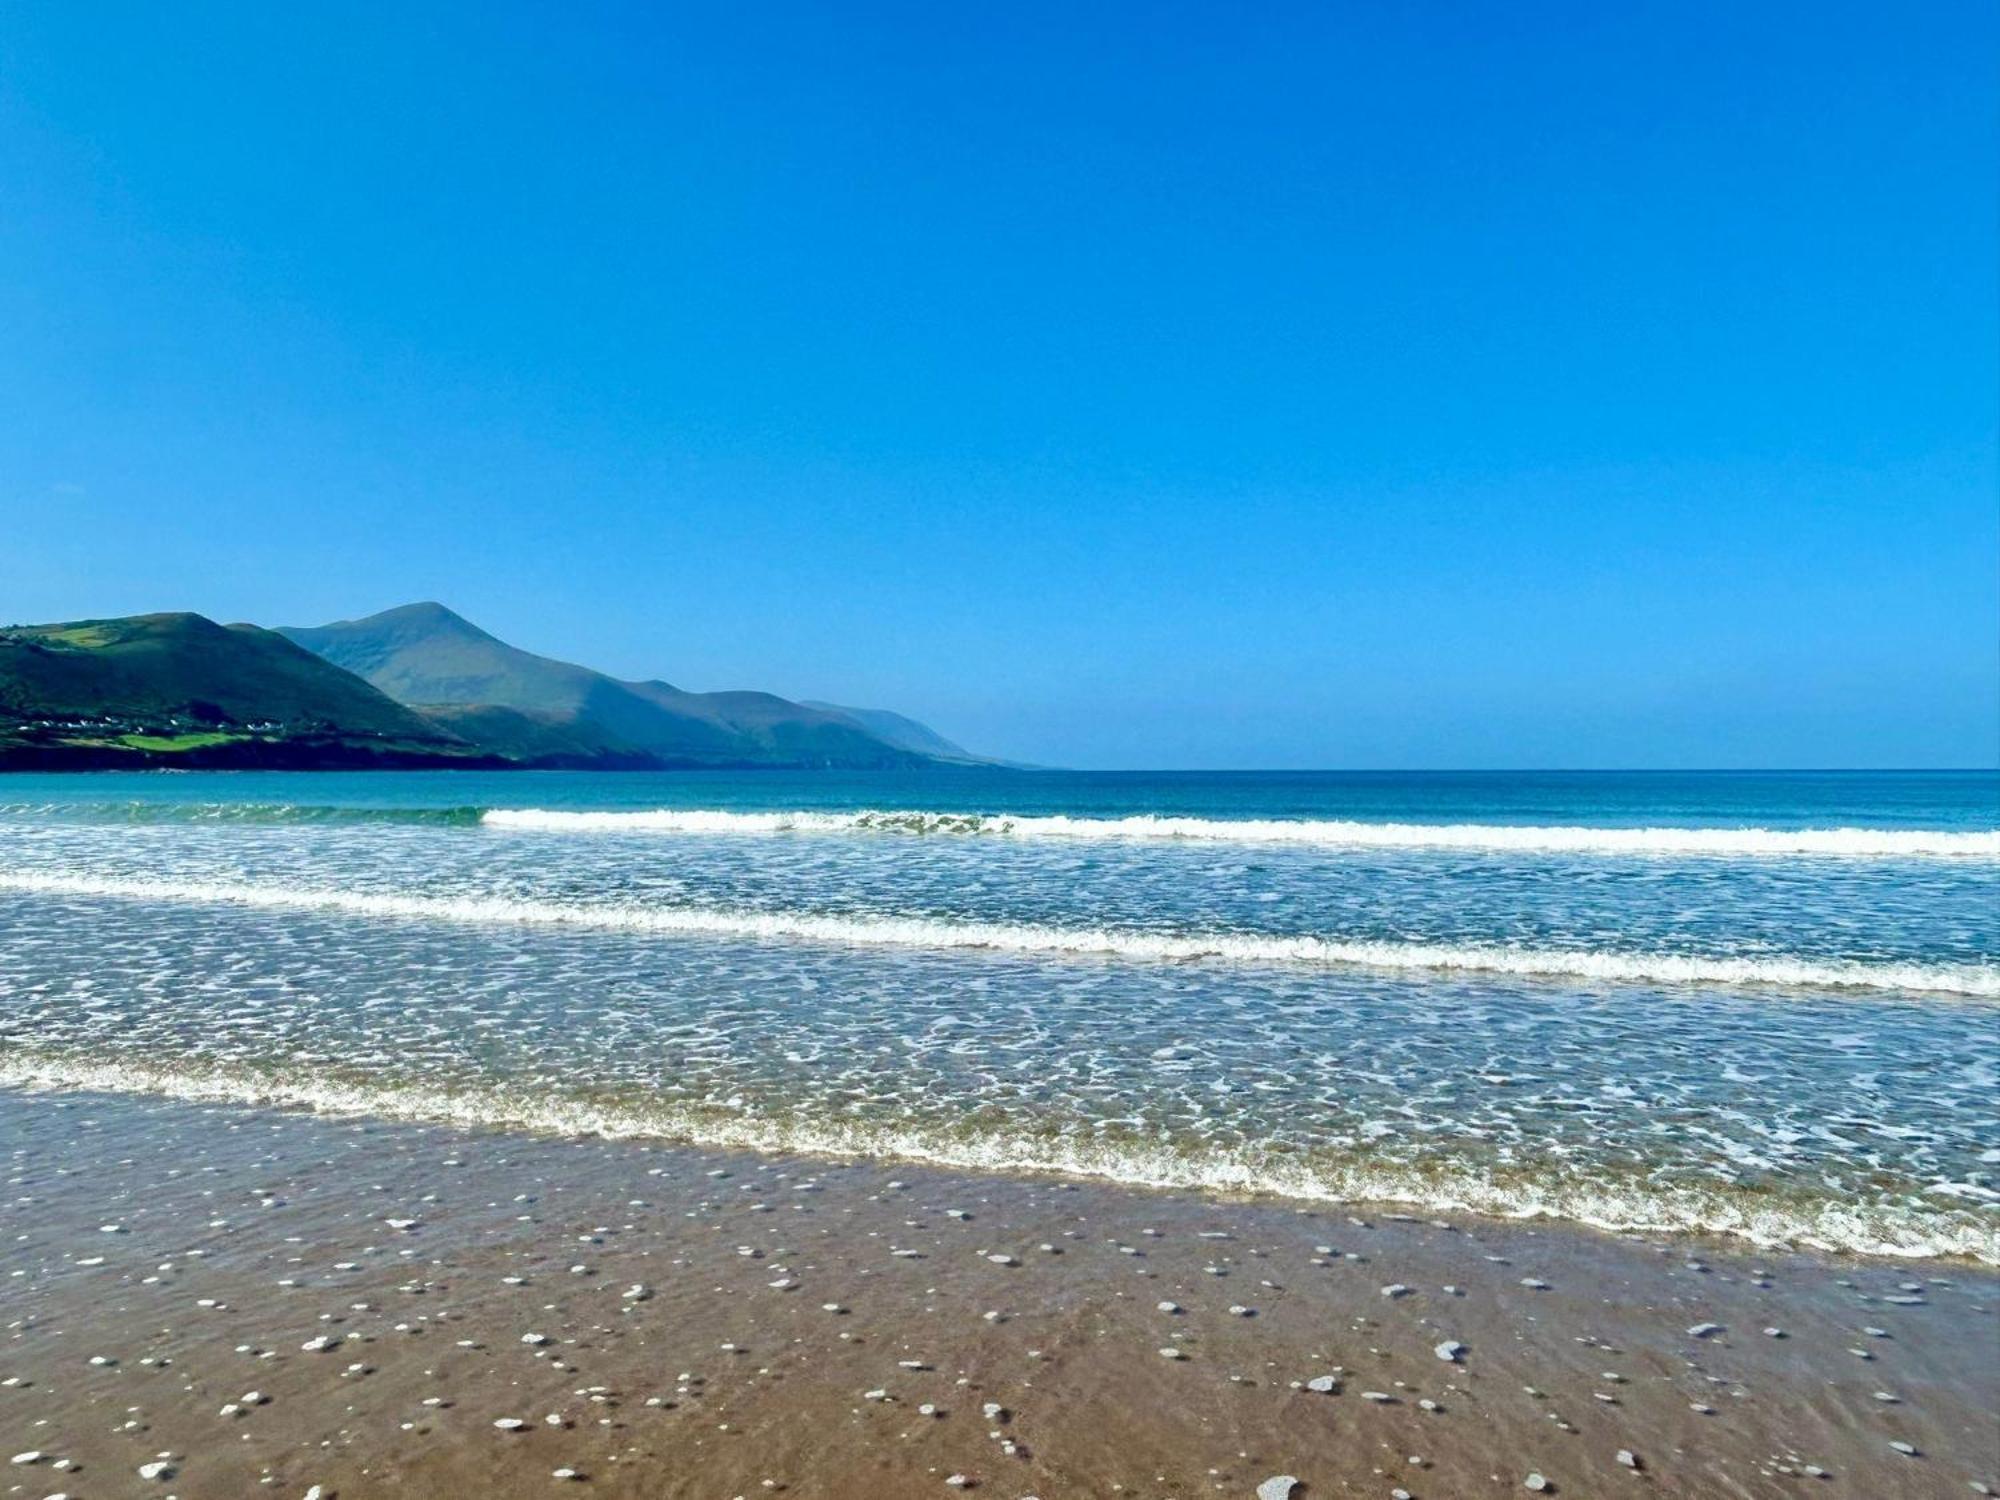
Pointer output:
196, 741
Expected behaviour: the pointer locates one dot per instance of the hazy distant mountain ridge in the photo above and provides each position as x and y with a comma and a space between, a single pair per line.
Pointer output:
428, 657
518, 703
899, 730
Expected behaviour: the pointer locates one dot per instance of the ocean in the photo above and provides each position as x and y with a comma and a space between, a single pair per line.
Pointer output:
1763, 1006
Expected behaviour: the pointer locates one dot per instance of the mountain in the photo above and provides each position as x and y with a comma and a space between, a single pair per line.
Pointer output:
414, 686
516, 703
899, 730
181, 689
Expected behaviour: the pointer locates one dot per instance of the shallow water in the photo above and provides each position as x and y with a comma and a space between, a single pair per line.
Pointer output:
1758, 1005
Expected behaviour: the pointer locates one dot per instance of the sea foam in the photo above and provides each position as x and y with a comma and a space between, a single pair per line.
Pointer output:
1630, 1206
1587, 965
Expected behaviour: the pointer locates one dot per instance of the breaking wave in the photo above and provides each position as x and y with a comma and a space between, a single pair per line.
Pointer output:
1588, 965
1851, 843
1629, 1206
1494, 838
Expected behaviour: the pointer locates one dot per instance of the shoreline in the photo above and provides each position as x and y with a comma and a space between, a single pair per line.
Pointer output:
573, 1120
224, 1239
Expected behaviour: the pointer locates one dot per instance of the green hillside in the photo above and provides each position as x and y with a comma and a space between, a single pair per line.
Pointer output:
179, 688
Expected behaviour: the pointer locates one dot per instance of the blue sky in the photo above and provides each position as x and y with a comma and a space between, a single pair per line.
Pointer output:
1340, 385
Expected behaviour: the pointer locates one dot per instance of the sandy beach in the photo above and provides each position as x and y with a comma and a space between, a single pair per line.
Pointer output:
229, 1301
1118, 752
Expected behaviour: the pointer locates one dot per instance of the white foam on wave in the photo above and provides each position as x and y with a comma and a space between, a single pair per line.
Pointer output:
1027, 938
1500, 838
1635, 1207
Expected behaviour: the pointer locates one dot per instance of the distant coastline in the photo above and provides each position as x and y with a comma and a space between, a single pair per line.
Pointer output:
252, 754
239, 755
413, 688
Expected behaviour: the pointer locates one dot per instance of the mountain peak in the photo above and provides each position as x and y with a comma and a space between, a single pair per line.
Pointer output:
426, 612
426, 619
423, 655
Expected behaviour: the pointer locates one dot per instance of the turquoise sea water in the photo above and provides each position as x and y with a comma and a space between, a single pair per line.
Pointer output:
1765, 1005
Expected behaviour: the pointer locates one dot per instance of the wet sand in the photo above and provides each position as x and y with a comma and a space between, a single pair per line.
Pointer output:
246, 1302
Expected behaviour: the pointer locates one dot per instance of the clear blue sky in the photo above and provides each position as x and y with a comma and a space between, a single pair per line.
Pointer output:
1337, 385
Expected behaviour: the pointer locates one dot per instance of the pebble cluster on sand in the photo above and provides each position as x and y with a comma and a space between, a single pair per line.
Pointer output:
209, 1302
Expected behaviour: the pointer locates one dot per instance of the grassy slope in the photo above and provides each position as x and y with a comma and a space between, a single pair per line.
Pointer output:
159, 685
179, 741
